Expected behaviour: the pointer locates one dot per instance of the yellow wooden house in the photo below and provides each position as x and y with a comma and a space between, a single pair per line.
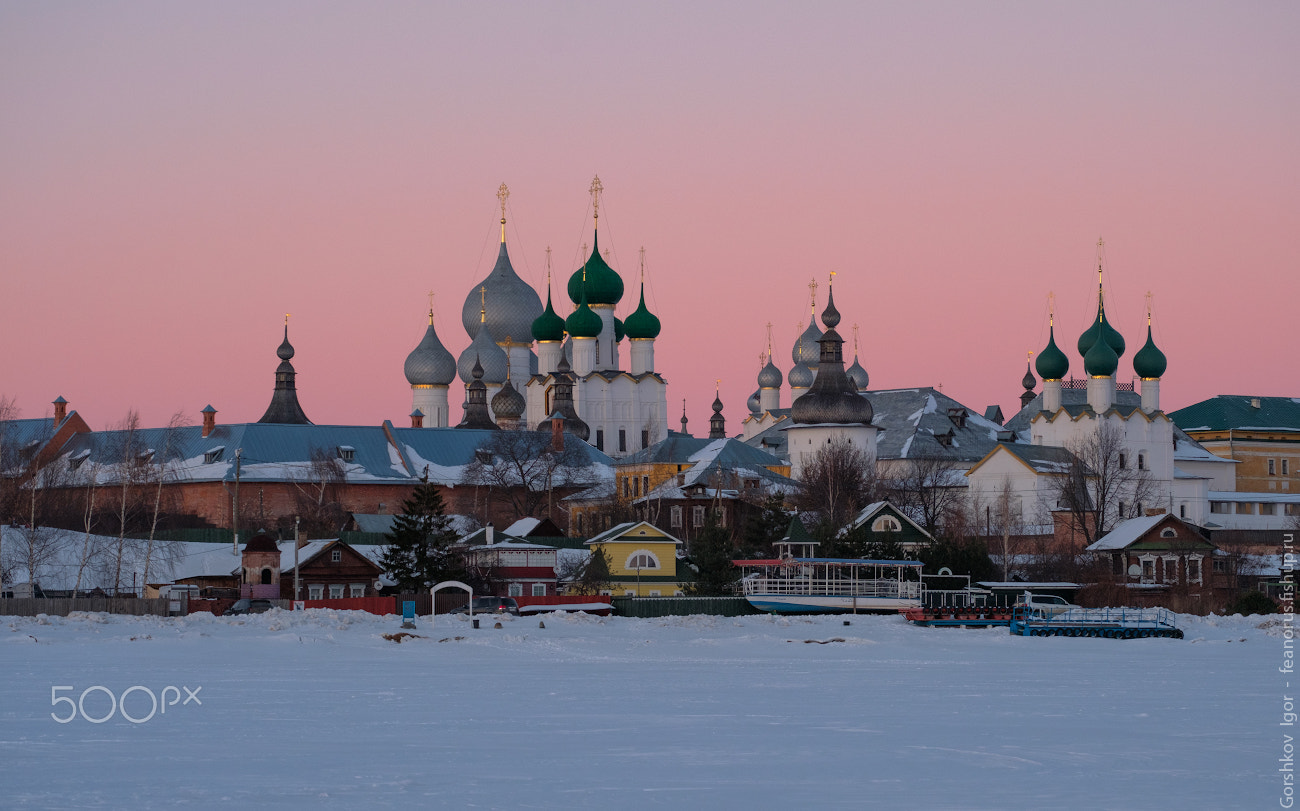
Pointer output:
642, 560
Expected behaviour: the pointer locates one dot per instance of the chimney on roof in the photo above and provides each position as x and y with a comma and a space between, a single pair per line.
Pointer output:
417, 418
209, 419
61, 409
557, 434
1254, 403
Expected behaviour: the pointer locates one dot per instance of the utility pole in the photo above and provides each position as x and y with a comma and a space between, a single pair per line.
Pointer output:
296, 595
239, 452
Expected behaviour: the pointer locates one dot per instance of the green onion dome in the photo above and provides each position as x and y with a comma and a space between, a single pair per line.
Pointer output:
1052, 364
1101, 327
549, 326
1102, 360
604, 286
1149, 362
620, 330
583, 322
642, 323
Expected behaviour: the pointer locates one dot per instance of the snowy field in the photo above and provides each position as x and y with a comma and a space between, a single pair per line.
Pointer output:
317, 709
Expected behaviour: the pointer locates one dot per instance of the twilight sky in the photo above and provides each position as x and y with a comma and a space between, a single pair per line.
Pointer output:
174, 177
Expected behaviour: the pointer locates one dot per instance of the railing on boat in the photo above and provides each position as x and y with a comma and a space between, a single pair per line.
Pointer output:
909, 589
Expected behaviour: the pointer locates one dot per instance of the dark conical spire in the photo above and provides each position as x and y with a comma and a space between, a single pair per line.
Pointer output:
1027, 383
477, 414
717, 423
284, 408
832, 398
562, 407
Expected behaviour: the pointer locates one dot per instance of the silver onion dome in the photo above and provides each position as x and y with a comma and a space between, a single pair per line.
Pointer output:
806, 350
512, 305
508, 403
801, 377
770, 376
755, 403
430, 364
858, 375
486, 352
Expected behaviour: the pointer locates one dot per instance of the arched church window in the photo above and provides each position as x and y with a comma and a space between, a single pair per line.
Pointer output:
266, 577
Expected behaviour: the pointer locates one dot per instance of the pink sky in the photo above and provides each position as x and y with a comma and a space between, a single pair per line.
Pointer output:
175, 177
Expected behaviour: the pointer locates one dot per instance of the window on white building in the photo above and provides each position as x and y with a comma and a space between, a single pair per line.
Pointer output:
1123, 460
539, 589
1142, 461
641, 559
1171, 569
886, 523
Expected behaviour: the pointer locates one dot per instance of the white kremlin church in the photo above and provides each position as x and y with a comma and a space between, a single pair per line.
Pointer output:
526, 366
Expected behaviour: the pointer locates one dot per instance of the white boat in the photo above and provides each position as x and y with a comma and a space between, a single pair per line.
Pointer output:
790, 585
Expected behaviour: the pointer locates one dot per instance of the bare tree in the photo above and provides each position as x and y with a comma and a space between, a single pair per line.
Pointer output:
929, 488
1103, 484
525, 468
161, 468
317, 493
838, 481
130, 459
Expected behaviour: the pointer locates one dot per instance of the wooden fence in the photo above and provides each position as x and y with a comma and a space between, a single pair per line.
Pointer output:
62, 606
646, 607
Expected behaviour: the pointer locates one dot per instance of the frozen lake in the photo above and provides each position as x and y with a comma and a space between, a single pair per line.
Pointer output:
318, 710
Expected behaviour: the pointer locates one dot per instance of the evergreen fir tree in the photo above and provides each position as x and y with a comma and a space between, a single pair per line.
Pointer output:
765, 528
595, 576
416, 556
711, 553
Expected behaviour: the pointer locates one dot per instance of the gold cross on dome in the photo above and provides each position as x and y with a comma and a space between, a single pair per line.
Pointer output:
595, 189
482, 299
286, 319
812, 287
1148, 298
502, 193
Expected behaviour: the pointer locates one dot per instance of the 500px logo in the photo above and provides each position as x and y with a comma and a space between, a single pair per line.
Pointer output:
117, 704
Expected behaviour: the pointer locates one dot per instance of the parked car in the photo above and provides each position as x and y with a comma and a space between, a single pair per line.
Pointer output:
248, 606
1049, 605
490, 605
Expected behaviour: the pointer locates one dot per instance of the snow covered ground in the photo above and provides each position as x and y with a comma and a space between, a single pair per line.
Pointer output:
317, 709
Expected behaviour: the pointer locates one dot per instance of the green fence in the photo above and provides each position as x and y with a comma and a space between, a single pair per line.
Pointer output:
645, 607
